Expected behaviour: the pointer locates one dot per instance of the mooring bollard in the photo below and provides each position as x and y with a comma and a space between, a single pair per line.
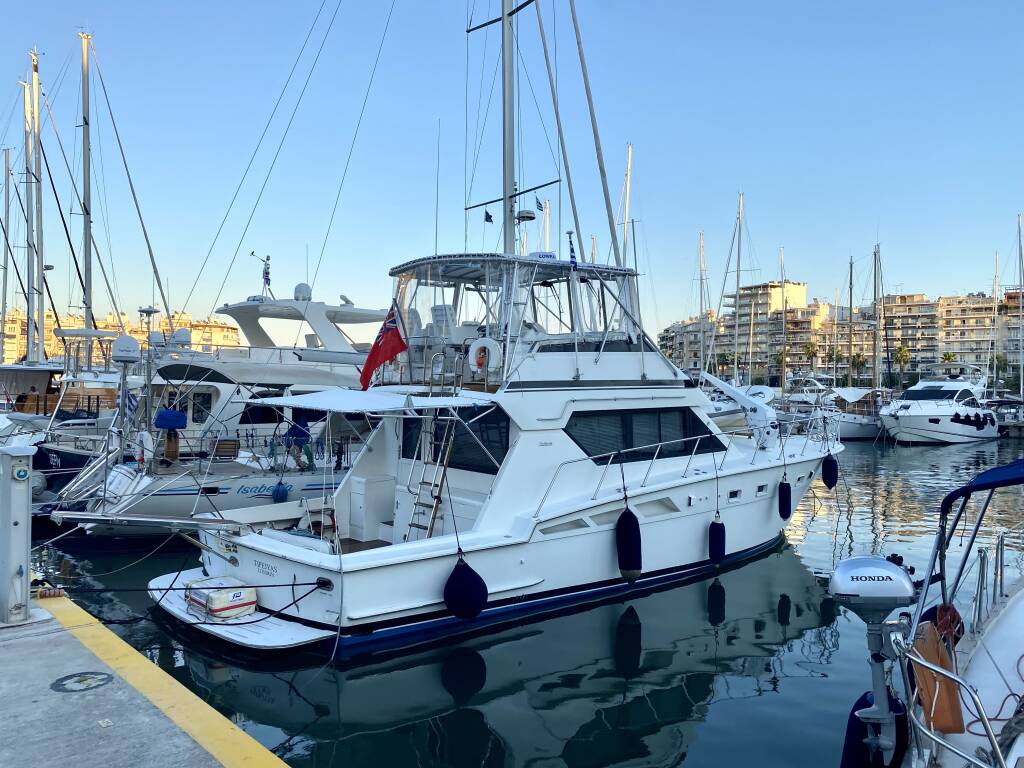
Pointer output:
15, 532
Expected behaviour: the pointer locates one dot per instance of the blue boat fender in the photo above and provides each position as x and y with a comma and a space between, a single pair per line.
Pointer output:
465, 592
785, 499
830, 471
629, 545
716, 540
280, 493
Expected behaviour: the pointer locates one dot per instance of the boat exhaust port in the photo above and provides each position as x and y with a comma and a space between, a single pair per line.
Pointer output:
325, 584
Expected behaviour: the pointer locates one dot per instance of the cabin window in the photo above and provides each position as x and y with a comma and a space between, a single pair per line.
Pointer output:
202, 403
254, 413
311, 416
929, 393
490, 429
638, 433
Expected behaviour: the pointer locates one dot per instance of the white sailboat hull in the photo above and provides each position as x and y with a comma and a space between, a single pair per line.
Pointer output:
854, 426
184, 495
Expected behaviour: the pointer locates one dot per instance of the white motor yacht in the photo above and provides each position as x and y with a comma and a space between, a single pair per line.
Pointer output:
512, 469
943, 408
531, 449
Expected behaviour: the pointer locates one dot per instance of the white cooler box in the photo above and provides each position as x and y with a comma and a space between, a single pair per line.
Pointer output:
219, 598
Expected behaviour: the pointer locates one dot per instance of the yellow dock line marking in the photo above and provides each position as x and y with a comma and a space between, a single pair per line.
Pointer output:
225, 741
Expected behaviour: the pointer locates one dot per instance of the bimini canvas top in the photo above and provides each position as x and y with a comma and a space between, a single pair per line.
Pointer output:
484, 268
853, 394
377, 400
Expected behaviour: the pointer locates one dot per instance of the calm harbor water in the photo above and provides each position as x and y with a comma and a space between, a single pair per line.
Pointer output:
753, 666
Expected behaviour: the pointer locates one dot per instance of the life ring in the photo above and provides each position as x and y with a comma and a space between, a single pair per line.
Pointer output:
485, 354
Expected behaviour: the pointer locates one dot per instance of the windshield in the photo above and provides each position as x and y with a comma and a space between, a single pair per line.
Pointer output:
929, 393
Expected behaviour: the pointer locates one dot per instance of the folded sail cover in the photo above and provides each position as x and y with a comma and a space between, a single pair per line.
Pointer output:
375, 400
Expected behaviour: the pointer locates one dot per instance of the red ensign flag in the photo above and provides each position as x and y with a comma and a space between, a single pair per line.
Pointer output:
388, 345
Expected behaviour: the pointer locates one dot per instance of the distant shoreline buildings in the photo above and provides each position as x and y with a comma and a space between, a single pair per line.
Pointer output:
916, 332
207, 333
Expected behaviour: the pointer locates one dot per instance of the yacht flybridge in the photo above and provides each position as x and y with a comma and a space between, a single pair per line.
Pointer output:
943, 408
521, 459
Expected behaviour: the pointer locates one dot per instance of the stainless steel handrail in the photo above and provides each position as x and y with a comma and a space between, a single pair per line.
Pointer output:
907, 654
610, 456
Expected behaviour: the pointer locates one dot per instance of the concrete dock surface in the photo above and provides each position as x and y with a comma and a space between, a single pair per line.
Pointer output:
77, 695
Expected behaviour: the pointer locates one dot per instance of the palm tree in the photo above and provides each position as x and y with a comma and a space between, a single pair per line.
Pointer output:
811, 350
857, 363
1001, 364
901, 356
948, 357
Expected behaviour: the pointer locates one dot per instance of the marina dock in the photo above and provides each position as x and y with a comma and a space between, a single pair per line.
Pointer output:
89, 699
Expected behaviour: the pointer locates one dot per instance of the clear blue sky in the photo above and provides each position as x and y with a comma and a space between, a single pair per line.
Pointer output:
843, 123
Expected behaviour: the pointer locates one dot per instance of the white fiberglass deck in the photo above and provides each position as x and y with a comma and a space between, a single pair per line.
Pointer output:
260, 630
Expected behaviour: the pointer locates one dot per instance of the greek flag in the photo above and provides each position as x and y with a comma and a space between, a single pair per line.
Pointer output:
131, 403
572, 256
487, 217
540, 204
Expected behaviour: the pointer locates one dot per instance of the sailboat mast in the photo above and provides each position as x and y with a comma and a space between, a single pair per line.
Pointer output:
40, 261
30, 245
7, 252
86, 199
995, 317
736, 306
1020, 312
625, 220
876, 347
782, 272
849, 333
508, 61
703, 309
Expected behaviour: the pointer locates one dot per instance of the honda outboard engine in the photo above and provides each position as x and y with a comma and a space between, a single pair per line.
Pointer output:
873, 587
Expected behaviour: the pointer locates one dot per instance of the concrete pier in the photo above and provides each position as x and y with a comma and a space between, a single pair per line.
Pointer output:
77, 695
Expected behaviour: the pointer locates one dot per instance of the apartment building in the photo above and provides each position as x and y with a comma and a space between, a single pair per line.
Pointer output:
751, 323
912, 321
681, 341
206, 333
968, 327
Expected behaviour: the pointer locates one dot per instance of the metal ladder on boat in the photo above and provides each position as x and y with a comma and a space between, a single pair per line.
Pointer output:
427, 507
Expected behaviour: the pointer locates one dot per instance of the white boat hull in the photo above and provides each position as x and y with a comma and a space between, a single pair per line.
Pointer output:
393, 594
184, 496
853, 426
924, 428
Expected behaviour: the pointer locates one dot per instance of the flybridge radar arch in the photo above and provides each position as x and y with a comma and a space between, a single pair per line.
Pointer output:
484, 318
323, 320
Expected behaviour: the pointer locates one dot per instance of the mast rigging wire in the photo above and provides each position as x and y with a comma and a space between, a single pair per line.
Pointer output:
131, 187
277, 153
355, 135
74, 187
252, 157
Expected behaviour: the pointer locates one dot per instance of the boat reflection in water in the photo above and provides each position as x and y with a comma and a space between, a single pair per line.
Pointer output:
623, 683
